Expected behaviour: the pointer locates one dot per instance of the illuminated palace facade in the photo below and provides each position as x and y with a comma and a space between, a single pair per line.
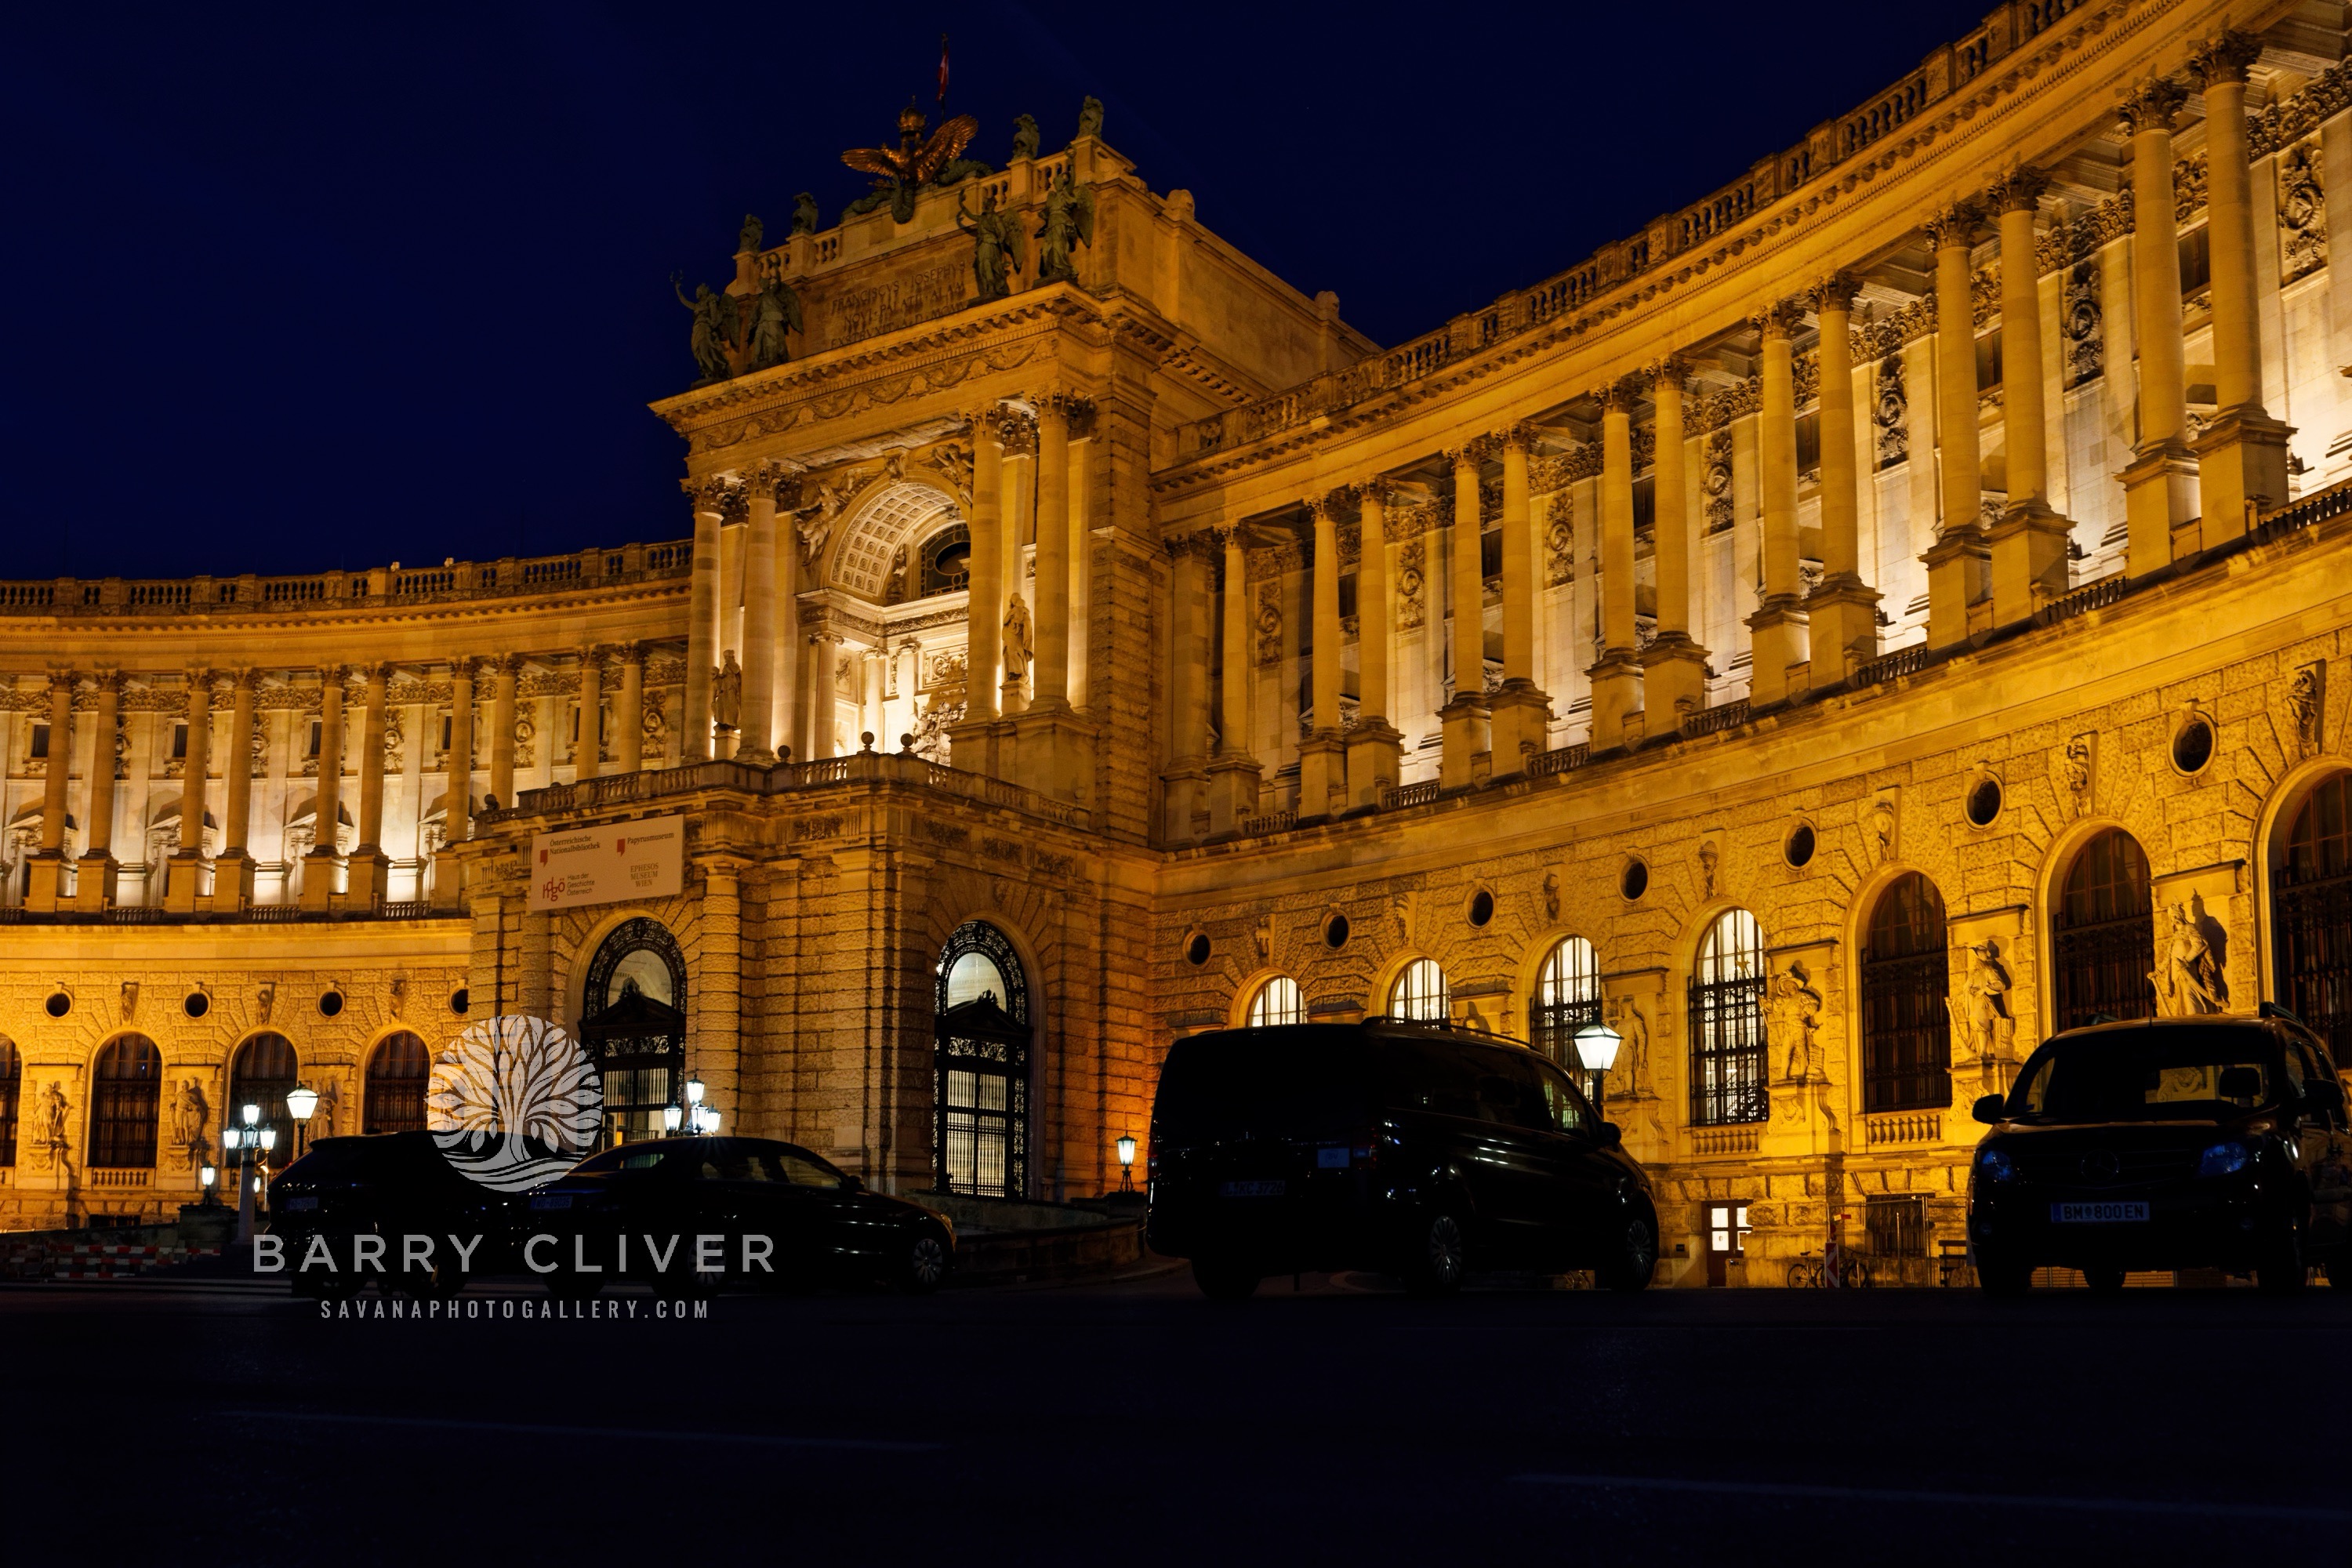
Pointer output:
1865, 621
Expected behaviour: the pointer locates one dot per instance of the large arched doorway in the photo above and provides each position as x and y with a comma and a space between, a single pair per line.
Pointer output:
392, 1099
262, 1073
126, 1087
1906, 1022
1728, 1066
981, 1074
2103, 941
2311, 914
633, 1026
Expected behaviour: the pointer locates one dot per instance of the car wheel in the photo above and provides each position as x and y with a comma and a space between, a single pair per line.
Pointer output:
1997, 1275
2280, 1268
925, 1266
1436, 1266
2104, 1281
1635, 1259
1224, 1278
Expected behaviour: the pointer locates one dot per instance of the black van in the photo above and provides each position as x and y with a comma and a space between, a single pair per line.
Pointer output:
1411, 1149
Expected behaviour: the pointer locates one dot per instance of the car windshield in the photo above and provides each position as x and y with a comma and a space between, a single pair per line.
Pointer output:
2147, 1076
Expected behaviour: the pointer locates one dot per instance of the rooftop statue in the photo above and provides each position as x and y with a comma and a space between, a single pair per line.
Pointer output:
899, 171
1024, 137
996, 247
805, 213
1067, 223
1090, 117
752, 232
714, 328
776, 311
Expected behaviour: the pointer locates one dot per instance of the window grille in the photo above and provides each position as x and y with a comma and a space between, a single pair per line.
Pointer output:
1907, 1026
1726, 1024
1420, 993
981, 1074
2104, 936
1896, 1224
2312, 918
1567, 997
396, 1078
128, 1082
1277, 1002
11, 1078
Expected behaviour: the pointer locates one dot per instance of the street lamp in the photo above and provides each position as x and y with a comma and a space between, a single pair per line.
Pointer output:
246, 1143
671, 1117
208, 1177
300, 1101
1126, 1162
1596, 1052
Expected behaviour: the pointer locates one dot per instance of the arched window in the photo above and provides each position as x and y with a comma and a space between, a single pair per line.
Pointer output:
1567, 997
980, 1075
1906, 1028
1276, 1001
1726, 1024
2104, 938
126, 1085
260, 1074
11, 1076
2312, 915
633, 1026
397, 1075
1420, 993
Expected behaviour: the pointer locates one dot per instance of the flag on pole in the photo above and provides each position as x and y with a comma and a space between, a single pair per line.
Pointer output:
943, 67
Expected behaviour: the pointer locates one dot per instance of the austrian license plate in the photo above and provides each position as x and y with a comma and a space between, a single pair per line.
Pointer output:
2098, 1214
1253, 1189
552, 1201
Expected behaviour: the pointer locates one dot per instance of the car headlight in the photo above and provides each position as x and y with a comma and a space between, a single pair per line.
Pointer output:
2223, 1158
1995, 1165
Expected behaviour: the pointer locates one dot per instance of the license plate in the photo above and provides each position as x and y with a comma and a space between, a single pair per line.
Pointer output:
552, 1201
1253, 1189
300, 1205
2098, 1214
1330, 1158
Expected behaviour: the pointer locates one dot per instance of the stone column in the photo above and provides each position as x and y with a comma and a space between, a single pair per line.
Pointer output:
1465, 722
871, 686
1234, 772
825, 705
2029, 542
2160, 484
371, 869
188, 864
701, 622
503, 672
1016, 518
983, 616
51, 878
2241, 456
757, 744
94, 887
319, 866
1617, 693
1185, 782
587, 752
1522, 712
1780, 630
1956, 561
1842, 610
1051, 679
1323, 755
1674, 666
629, 745
457, 792
1374, 745
233, 869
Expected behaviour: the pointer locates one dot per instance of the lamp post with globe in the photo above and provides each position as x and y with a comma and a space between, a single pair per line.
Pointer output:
1596, 1053
300, 1101
248, 1143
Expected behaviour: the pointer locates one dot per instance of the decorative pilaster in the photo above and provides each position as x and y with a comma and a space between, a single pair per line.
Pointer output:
1465, 723
1674, 666
2160, 484
1184, 782
1374, 746
504, 669
2241, 456
1522, 712
973, 747
1234, 773
587, 751
182, 880
94, 887
1956, 561
370, 869
51, 882
458, 791
1052, 676
2028, 543
1323, 755
701, 620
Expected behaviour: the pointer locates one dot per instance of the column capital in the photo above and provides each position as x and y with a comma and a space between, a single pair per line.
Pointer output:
2020, 190
506, 665
1620, 395
1328, 505
1835, 292
107, 678
774, 481
462, 666
1017, 431
630, 653
2224, 60
1672, 370
1377, 490
1084, 415
593, 656
245, 677
1519, 437
1781, 319
1955, 225
61, 676
2153, 105
1470, 454
375, 673
709, 492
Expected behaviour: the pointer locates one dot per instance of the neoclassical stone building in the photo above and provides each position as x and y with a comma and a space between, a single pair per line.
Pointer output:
1875, 615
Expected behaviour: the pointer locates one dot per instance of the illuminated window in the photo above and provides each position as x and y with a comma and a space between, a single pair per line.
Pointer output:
1420, 993
1567, 997
1726, 1024
396, 1078
1276, 1001
127, 1084
1907, 1024
2104, 934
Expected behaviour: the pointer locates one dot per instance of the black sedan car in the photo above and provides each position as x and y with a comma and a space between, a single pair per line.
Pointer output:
2166, 1143
711, 1213
386, 1209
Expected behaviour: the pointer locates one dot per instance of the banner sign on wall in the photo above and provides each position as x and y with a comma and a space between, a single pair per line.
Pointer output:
606, 865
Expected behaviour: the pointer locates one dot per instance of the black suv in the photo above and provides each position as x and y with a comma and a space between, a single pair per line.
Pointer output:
2214, 1142
1409, 1149
387, 1187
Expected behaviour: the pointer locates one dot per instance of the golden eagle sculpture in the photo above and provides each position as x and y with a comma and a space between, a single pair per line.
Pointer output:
905, 169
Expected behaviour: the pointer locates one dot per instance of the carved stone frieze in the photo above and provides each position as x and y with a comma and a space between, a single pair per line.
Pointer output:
2303, 213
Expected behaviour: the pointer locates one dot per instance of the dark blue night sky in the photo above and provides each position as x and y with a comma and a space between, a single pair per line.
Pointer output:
297, 288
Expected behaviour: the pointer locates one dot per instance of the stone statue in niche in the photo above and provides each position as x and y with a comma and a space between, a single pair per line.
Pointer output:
2191, 981
56, 1144
1067, 223
1792, 1013
2078, 772
1024, 137
1882, 830
2304, 709
1982, 1017
804, 214
1016, 637
1090, 116
322, 1119
714, 328
191, 1123
1551, 895
1707, 857
727, 693
1632, 1027
997, 246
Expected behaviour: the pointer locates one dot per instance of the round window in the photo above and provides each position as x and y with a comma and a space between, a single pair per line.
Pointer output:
1636, 881
58, 1005
1196, 952
331, 1003
1335, 931
1482, 907
1984, 802
2193, 747
197, 1004
458, 1000
1800, 848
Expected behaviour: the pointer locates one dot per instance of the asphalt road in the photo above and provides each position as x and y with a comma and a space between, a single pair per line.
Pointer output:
1137, 1423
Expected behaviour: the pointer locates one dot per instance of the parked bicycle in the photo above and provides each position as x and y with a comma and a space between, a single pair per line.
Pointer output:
1815, 1272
